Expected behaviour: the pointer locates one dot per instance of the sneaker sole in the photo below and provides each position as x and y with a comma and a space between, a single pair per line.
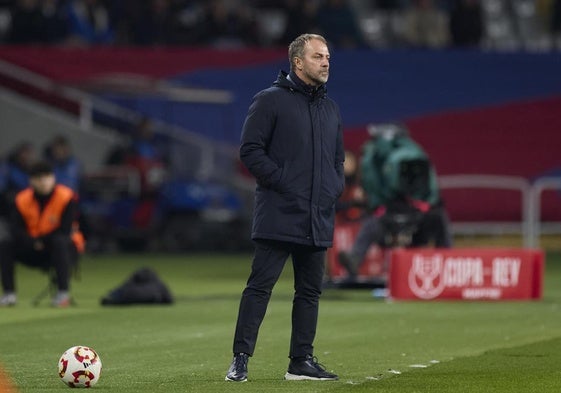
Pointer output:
234, 380
294, 377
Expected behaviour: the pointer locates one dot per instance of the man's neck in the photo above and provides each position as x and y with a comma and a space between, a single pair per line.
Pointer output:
297, 80
43, 199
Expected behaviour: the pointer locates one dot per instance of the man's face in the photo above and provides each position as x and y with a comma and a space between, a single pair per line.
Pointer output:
60, 152
313, 68
43, 184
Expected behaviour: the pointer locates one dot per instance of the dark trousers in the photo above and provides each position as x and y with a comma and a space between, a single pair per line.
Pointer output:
59, 254
268, 262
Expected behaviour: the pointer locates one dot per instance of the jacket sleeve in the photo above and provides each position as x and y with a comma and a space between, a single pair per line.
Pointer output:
256, 137
19, 230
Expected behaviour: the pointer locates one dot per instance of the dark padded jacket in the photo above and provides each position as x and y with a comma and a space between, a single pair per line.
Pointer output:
292, 143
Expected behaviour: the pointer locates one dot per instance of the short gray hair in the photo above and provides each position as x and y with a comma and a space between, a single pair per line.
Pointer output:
296, 47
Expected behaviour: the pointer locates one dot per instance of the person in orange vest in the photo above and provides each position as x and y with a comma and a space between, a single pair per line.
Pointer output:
44, 234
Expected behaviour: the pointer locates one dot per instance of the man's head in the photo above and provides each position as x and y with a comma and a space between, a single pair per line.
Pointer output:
24, 155
309, 58
42, 178
60, 148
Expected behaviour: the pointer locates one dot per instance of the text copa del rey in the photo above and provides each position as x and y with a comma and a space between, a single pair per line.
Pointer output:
429, 276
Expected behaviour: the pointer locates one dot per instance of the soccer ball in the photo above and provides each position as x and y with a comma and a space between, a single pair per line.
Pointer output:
79, 367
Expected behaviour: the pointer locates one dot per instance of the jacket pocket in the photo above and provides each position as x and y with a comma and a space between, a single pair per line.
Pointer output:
292, 204
331, 189
281, 185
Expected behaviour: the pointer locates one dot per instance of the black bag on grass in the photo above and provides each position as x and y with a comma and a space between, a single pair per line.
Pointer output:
143, 287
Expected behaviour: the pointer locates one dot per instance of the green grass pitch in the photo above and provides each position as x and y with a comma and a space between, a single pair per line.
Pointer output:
372, 344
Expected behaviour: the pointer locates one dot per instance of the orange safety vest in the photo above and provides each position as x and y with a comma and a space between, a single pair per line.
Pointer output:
40, 223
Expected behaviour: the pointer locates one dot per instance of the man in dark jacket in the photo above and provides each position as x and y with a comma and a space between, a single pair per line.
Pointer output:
292, 143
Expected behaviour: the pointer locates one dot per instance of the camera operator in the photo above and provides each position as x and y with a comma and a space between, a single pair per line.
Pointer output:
402, 195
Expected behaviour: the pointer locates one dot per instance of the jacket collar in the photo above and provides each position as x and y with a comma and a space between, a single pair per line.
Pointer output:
291, 81
42, 199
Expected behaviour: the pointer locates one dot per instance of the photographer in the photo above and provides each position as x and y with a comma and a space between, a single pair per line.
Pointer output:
402, 195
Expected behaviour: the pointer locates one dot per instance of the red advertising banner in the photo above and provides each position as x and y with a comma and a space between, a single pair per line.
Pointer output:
468, 274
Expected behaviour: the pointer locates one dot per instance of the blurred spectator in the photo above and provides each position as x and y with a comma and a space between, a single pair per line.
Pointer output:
227, 27
89, 22
466, 23
14, 177
391, 4
147, 159
268, 3
26, 23
143, 158
152, 22
121, 14
54, 21
17, 168
143, 144
300, 19
426, 25
144, 155
338, 24
67, 168
223, 24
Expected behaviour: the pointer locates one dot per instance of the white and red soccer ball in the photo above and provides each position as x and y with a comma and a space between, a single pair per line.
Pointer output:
79, 367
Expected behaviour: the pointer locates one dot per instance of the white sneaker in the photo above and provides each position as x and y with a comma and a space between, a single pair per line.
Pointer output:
8, 299
61, 300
